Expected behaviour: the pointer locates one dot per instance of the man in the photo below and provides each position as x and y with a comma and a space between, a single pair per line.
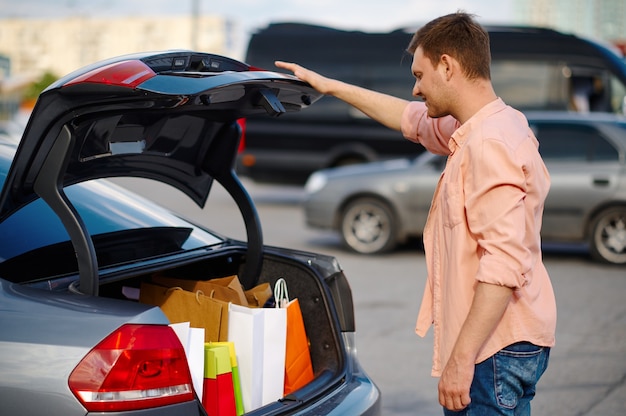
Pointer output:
488, 294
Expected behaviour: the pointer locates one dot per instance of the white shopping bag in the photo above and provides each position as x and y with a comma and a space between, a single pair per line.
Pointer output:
193, 342
259, 335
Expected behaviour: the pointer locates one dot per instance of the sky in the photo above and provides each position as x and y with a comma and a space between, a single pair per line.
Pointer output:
371, 15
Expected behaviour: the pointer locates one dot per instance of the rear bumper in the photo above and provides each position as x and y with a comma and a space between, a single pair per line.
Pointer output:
359, 396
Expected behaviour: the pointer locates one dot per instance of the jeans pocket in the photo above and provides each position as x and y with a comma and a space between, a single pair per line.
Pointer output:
517, 370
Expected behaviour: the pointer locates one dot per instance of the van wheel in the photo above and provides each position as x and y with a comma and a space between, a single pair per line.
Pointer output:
608, 236
368, 226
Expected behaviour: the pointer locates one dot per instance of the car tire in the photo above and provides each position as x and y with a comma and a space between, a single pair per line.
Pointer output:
368, 226
608, 236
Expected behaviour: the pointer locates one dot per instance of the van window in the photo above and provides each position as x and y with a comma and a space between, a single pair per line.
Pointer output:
531, 85
595, 89
618, 95
545, 85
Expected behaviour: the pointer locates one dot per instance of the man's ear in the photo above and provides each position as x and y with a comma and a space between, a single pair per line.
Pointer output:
448, 66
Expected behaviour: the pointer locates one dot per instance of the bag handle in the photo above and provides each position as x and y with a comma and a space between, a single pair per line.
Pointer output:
198, 292
281, 295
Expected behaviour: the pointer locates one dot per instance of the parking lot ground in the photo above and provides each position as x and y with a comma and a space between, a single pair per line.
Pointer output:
587, 371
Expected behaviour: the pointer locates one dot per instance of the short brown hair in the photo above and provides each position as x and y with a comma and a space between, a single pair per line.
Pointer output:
459, 36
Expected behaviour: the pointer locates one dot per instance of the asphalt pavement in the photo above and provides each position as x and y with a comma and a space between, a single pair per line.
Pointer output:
587, 371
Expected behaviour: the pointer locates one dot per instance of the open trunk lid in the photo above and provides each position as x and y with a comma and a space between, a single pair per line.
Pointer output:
169, 116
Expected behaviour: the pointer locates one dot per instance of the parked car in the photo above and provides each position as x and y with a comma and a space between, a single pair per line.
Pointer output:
379, 205
73, 243
532, 69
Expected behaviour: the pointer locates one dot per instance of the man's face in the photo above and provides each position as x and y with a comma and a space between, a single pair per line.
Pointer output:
429, 84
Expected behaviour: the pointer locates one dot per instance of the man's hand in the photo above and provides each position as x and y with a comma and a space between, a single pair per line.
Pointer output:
454, 385
317, 81
487, 309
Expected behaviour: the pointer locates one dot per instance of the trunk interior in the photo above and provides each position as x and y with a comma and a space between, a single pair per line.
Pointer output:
303, 282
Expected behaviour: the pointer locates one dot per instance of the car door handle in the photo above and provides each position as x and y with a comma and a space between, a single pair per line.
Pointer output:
601, 181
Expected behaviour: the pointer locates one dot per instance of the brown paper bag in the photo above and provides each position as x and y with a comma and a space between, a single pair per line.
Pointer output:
258, 295
227, 289
194, 307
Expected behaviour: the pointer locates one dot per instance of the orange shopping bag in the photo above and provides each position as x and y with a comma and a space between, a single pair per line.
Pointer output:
298, 366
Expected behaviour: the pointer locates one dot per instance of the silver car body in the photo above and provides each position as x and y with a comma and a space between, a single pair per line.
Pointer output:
585, 155
72, 342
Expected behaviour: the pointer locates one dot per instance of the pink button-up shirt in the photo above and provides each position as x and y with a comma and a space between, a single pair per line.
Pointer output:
484, 226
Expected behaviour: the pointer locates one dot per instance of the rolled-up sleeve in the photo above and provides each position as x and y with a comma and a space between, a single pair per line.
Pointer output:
495, 205
433, 134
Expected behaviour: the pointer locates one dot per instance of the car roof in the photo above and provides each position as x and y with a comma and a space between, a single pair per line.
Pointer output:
538, 40
297, 39
575, 117
606, 120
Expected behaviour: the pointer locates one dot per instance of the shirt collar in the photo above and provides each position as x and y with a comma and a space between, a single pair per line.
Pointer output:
460, 135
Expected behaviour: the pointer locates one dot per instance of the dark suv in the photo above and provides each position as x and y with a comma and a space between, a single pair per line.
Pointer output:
72, 341
532, 69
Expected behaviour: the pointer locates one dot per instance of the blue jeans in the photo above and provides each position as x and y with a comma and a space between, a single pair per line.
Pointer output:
504, 384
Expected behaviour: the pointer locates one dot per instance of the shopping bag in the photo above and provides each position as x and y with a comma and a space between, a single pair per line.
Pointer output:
193, 343
184, 306
259, 336
218, 394
236, 378
258, 296
298, 365
227, 289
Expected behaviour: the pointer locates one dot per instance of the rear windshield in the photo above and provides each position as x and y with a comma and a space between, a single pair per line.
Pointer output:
124, 228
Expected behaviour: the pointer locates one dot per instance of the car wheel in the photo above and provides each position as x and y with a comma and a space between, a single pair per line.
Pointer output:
608, 236
368, 226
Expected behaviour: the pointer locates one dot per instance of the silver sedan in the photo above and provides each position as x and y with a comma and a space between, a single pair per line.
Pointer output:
379, 205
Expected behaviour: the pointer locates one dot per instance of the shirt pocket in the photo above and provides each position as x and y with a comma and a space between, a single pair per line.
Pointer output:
452, 204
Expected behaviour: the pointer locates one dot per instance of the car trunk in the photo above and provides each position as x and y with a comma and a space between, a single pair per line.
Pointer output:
321, 289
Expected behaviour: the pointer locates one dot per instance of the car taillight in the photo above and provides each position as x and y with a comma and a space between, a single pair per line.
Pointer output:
136, 367
124, 74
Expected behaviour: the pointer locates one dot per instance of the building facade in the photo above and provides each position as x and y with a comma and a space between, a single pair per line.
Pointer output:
603, 20
59, 46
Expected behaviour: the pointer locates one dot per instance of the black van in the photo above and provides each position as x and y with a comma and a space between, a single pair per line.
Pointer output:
532, 69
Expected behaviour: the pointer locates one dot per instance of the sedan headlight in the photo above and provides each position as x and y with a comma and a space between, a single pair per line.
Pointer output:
315, 182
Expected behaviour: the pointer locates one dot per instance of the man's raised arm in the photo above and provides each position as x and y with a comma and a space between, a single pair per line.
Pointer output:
384, 108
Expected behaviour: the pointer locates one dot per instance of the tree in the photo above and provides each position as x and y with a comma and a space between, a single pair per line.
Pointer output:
34, 89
